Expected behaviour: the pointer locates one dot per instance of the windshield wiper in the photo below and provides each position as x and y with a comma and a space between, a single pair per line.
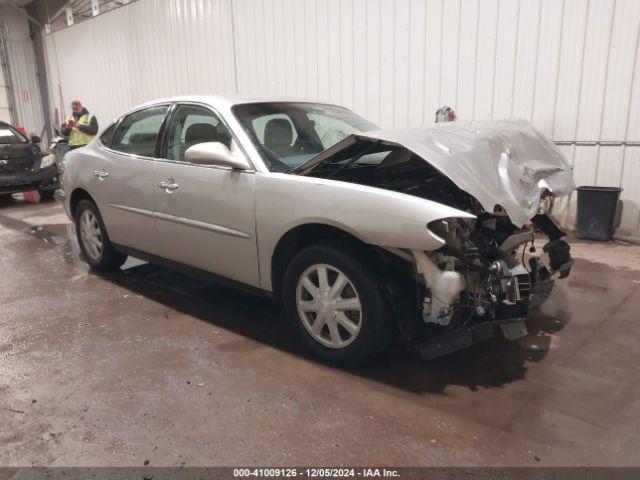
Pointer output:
353, 160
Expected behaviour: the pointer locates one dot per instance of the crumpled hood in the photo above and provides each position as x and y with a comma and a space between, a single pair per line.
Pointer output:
503, 162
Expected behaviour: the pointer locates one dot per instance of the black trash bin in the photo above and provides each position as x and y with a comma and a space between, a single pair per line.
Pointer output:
596, 212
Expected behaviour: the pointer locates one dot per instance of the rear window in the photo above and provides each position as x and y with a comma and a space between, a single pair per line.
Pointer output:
9, 135
107, 137
138, 131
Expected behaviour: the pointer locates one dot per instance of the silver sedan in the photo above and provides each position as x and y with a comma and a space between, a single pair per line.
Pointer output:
361, 233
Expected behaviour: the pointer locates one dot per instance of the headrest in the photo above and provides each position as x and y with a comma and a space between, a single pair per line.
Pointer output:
201, 132
278, 132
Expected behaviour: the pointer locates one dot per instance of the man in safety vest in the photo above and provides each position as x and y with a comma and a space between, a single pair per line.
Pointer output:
80, 126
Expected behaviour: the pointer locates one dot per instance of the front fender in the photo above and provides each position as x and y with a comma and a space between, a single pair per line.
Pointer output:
376, 216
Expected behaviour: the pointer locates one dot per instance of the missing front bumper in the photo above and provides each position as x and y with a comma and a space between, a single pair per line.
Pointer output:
509, 320
462, 338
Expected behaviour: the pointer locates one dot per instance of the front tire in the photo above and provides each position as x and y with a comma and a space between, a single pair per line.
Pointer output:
335, 305
94, 242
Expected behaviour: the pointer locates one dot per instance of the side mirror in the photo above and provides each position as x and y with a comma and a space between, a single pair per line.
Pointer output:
214, 153
35, 139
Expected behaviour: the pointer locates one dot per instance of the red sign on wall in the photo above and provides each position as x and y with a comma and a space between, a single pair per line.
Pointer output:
25, 95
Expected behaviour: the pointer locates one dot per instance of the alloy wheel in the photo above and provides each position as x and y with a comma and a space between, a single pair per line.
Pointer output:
91, 234
329, 305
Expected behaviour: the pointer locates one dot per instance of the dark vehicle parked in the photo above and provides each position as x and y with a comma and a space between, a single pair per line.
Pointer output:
23, 166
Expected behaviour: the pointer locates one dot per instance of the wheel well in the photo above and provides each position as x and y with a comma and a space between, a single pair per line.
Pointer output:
77, 195
312, 234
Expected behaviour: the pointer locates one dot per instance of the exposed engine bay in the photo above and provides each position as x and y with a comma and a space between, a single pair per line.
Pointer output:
488, 274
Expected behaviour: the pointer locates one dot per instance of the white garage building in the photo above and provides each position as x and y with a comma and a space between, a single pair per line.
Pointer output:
569, 66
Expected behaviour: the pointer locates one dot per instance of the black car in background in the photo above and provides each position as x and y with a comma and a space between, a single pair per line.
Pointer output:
23, 166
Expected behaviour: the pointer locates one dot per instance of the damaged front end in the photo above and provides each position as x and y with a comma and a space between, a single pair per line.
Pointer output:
488, 273
485, 278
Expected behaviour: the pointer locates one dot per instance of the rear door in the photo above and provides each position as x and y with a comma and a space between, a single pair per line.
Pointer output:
206, 217
124, 178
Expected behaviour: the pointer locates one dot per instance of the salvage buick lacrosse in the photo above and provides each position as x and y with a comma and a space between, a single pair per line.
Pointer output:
361, 233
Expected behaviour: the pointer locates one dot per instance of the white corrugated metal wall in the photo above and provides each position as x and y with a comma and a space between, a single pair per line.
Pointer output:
569, 66
6, 92
142, 51
5, 102
22, 67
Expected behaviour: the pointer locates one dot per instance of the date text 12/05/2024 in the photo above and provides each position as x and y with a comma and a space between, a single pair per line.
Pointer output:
315, 472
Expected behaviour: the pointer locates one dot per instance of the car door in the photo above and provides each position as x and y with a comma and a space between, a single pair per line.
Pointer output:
124, 178
205, 215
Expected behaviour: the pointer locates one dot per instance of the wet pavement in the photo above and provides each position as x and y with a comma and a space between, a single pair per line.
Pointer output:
147, 364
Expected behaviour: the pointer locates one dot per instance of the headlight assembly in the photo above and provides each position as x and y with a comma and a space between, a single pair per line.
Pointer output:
440, 227
47, 161
452, 231
446, 228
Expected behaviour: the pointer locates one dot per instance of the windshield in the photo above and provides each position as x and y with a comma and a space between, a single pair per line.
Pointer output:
9, 135
289, 134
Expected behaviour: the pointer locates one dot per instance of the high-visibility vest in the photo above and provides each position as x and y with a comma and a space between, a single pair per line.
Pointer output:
76, 137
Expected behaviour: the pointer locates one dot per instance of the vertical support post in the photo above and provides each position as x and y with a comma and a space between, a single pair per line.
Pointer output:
6, 72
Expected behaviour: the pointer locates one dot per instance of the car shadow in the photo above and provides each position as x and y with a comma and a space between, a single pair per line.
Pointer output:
54, 234
14, 203
488, 364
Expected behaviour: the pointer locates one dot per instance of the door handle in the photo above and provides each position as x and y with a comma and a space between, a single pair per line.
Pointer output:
100, 174
168, 185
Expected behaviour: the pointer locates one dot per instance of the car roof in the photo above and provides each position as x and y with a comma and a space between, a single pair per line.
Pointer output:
226, 101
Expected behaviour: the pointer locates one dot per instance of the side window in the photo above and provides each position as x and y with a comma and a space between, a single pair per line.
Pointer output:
191, 125
107, 137
138, 131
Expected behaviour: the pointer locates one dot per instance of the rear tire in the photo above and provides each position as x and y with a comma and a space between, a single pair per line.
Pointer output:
336, 305
93, 239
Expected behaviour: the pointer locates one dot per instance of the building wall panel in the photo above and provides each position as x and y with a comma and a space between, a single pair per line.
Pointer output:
467, 65
451, 15
526, 58
594, 76
148, 49
504, 74
569, 80
23, 74
569, 66
624, 41
547, 65
486, 59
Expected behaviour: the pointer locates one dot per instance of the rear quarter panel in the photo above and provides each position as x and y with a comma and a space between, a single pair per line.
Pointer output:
79, 165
